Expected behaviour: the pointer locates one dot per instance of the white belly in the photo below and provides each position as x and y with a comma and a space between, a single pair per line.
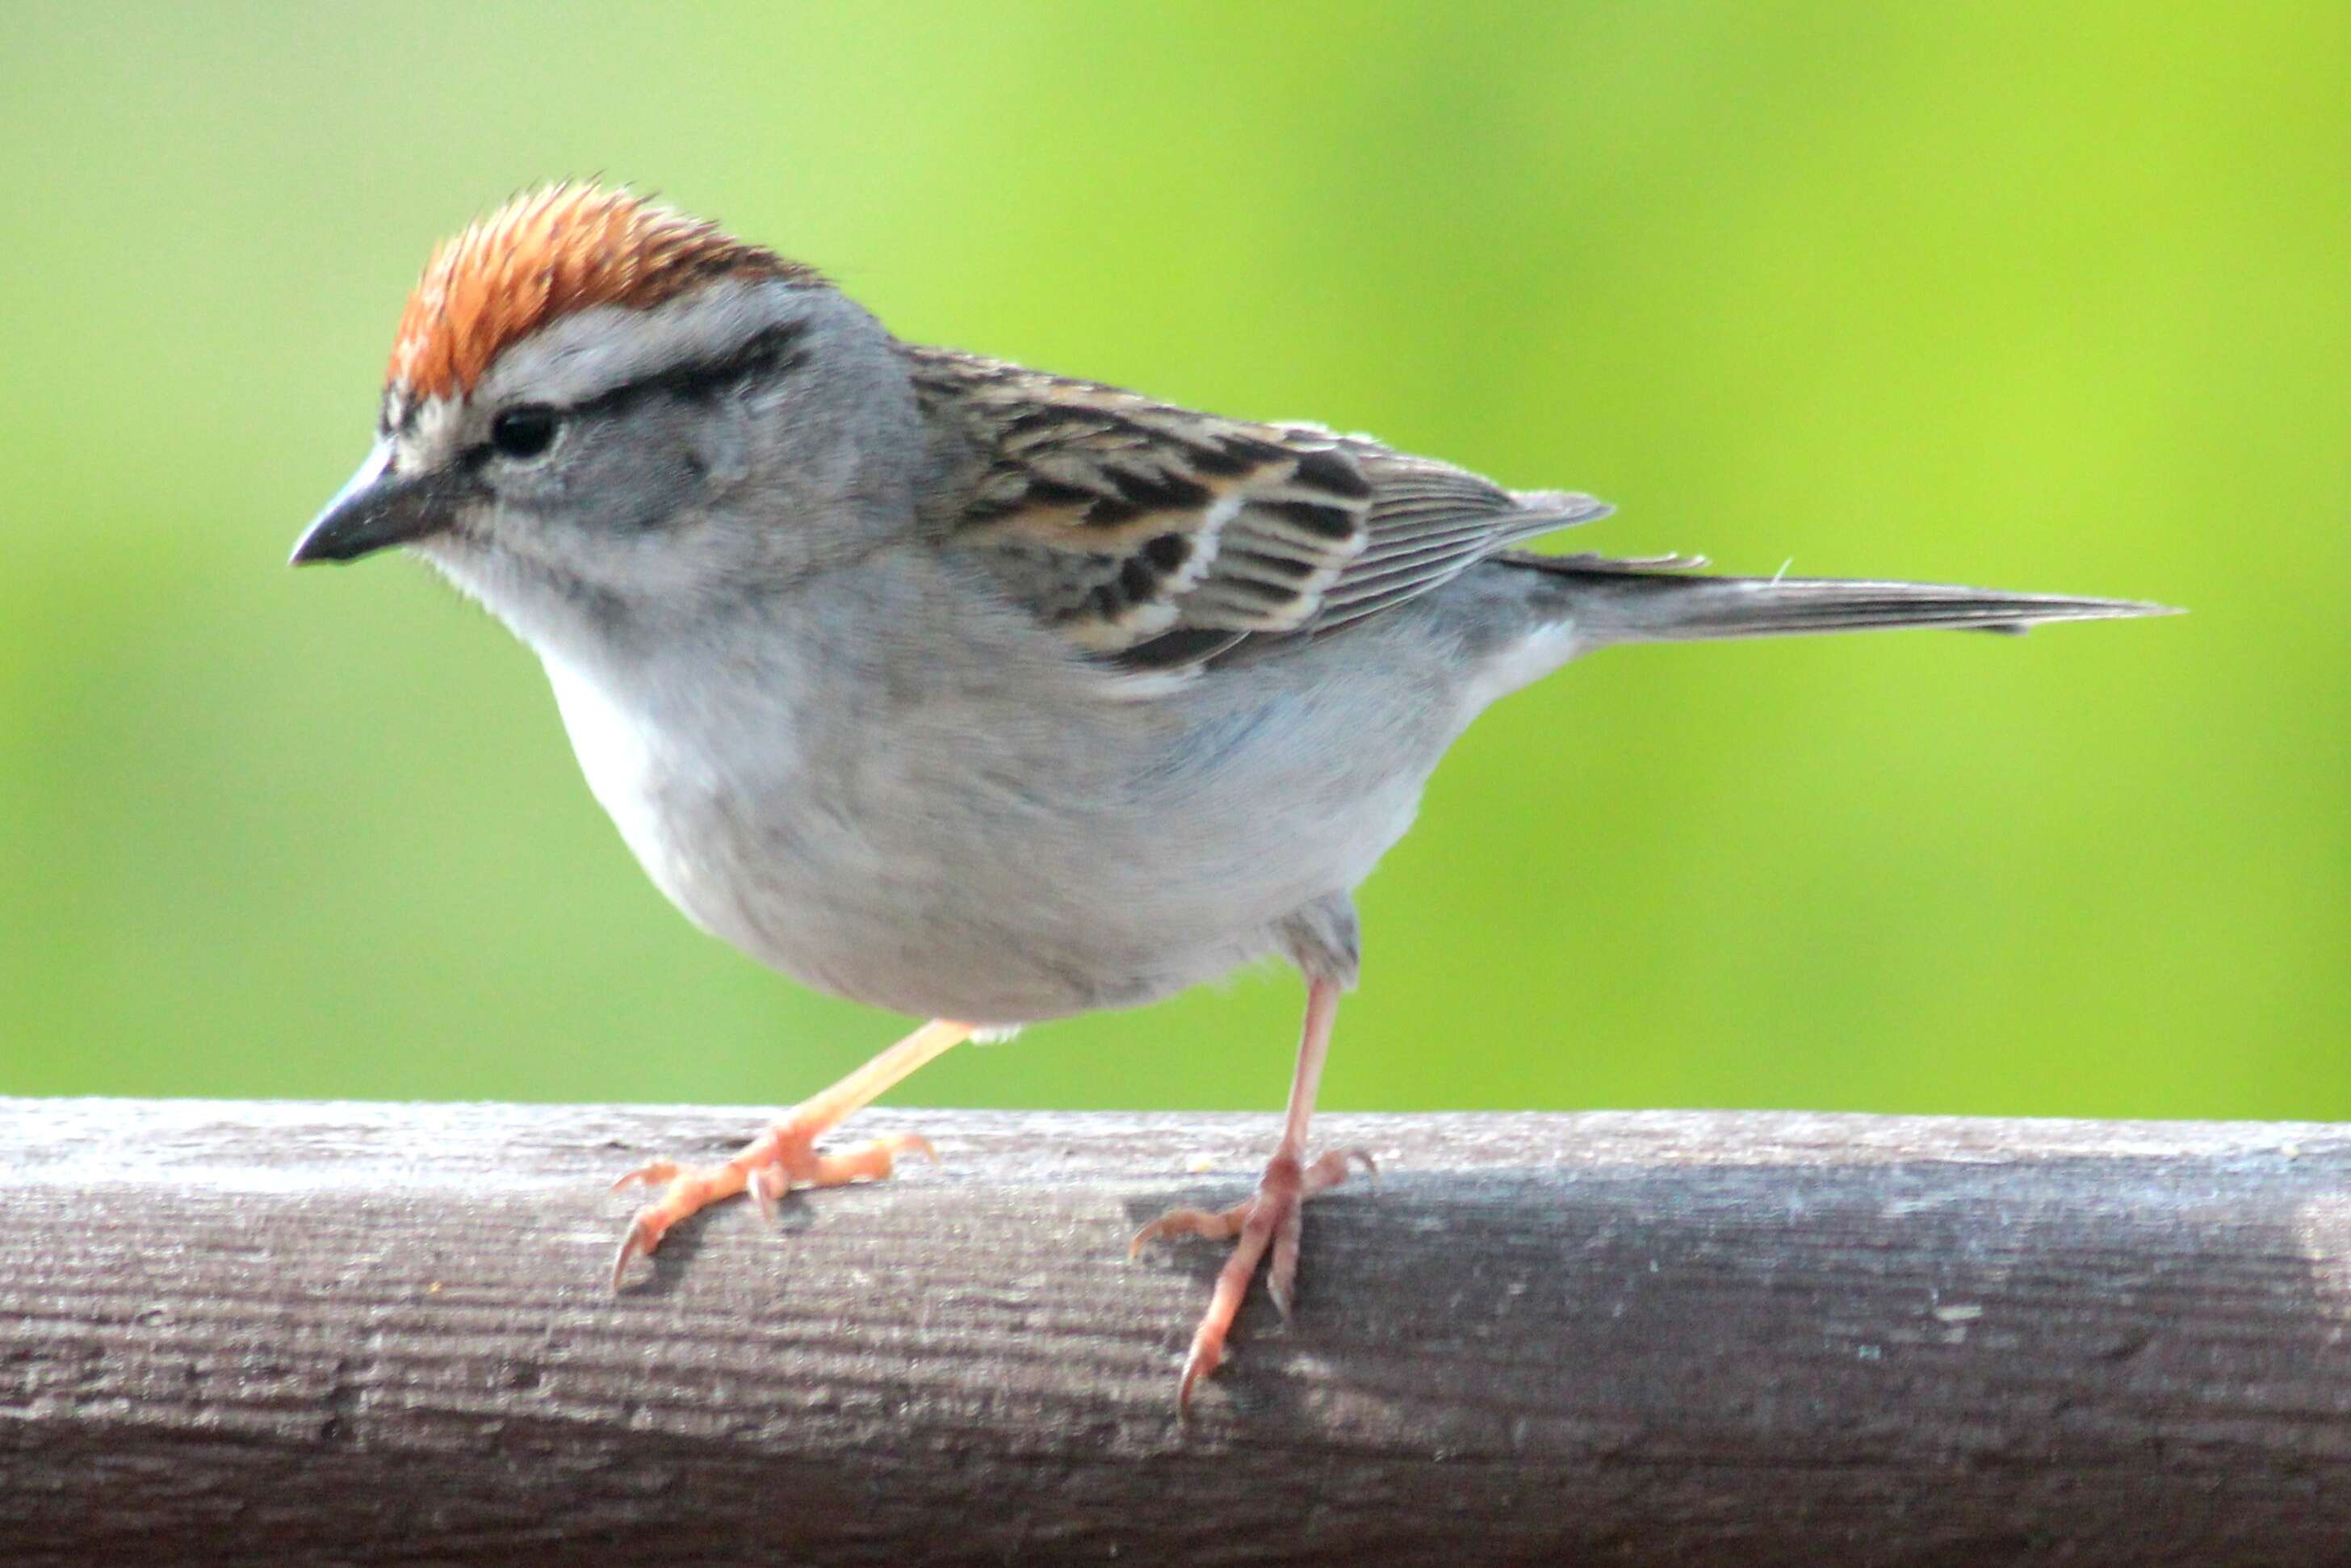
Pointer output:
938, 859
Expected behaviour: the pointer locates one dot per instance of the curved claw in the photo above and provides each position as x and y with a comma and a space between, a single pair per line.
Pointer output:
766, 1187
638, 1241
1282, 1268
652, 1172
1202, 1361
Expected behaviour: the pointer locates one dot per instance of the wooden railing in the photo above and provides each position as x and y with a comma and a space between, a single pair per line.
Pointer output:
285, 1334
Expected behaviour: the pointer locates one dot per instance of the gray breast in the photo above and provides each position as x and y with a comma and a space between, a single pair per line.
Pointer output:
1004, 845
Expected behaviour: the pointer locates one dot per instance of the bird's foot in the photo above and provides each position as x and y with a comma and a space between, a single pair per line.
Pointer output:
768, 1167
1270, 1219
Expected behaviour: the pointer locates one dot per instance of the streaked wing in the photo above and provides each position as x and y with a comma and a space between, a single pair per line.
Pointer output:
1158, 538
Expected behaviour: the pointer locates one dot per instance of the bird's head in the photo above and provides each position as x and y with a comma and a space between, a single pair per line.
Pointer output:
598, 401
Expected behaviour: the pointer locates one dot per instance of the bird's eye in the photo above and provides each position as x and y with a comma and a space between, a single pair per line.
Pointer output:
524, 432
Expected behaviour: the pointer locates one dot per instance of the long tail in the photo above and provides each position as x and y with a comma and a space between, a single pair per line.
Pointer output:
1664, 602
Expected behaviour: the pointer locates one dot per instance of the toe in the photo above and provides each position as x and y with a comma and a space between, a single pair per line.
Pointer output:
1189, 1222
870, 1161
652, 1172
1331, 1169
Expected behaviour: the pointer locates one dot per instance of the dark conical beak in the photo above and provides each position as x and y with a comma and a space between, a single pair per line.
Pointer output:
378, 509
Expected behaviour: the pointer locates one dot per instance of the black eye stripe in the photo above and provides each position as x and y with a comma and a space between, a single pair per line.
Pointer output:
771, 352
775, 351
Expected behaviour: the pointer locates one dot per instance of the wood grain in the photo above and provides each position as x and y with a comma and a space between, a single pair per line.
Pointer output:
280, 1334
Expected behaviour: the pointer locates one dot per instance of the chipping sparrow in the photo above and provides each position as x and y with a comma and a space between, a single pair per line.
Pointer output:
968, 691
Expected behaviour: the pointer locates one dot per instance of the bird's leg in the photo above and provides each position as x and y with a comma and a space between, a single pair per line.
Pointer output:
1271, 1218
785, 1156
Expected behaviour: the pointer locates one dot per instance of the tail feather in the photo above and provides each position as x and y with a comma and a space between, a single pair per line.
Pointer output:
1626, 601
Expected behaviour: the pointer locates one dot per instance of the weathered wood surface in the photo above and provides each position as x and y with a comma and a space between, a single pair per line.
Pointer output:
288, 1333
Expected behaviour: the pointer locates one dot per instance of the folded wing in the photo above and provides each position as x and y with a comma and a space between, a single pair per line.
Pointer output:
1158, 538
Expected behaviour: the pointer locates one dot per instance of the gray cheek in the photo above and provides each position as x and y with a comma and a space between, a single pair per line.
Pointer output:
718, 446
664, 460
632, 488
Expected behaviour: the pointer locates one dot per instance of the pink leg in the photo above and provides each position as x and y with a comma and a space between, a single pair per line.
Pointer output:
1272, 1217
785, 1156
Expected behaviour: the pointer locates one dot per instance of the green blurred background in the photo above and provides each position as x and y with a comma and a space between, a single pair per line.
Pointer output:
2048, 298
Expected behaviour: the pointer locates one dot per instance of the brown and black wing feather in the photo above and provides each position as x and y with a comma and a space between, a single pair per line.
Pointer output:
1158, 538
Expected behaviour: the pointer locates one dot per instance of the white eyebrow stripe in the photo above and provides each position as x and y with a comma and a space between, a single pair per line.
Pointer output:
589, 353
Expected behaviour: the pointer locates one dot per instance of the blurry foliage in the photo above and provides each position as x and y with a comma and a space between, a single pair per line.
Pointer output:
2037, 297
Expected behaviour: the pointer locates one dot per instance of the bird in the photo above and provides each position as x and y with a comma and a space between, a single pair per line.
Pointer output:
978, 694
